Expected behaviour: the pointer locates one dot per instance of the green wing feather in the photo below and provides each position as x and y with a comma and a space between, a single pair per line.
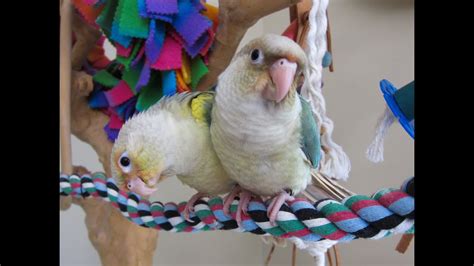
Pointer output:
310, 137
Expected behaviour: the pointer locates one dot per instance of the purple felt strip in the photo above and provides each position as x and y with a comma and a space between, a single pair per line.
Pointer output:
198, 5
162, 6
130, 109
155, 40
165, 18
112, 134
119, 94
189, 23
194, 50
144, 76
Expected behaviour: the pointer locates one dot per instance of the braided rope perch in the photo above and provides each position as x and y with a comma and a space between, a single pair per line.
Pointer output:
387, 212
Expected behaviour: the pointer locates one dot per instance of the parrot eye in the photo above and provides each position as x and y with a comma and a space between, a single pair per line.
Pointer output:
256, 56
124, 163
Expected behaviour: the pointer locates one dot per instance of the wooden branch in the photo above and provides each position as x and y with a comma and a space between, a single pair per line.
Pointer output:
117, 240
235, 18
84, 44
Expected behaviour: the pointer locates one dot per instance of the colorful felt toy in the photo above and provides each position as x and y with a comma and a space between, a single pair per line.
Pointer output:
400, 105
162, 48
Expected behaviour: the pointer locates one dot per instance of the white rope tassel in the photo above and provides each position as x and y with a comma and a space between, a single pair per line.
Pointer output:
315, 249
375, 150
334, 161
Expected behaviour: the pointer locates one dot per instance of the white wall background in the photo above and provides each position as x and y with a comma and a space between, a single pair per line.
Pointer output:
372, 40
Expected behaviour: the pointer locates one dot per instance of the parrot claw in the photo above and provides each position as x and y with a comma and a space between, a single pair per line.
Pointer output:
276, 204
244, 201
230, 198
190, 206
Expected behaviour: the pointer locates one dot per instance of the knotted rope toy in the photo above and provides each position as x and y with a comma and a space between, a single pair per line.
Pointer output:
387, 212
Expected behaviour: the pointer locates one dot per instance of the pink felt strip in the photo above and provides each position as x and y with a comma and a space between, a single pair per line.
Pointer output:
122, 51
170, 55
119, 94
115, 122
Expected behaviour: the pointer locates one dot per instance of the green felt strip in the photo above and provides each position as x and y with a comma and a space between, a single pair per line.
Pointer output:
130, 22
198, 70
132, 75
127, 61
150, 94
106, 17
104, 78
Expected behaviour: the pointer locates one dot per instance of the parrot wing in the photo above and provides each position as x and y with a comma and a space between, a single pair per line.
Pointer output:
201, 106
310, 142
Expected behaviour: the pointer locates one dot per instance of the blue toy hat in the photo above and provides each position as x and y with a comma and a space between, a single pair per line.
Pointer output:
400, 105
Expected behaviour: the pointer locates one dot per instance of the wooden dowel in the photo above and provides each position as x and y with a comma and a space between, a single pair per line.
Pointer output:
328, 254
269, 256
336, 255
404, 243
65, 87
293, 256
65, 93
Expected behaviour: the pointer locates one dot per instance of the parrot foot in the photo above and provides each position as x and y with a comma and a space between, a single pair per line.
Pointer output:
245, 197
190, 205
230, 198
276, 204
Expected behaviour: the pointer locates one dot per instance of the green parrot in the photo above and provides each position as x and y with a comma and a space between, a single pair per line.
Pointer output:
262, 130
171, 138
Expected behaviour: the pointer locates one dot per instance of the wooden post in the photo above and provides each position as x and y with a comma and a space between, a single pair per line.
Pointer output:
65, 94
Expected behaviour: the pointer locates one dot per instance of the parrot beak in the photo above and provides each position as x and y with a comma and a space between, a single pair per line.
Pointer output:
136, 185
282, 73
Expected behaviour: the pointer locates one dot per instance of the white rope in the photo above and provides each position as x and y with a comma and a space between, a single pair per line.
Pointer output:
316, 249
375, 150
334, 161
